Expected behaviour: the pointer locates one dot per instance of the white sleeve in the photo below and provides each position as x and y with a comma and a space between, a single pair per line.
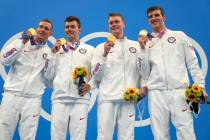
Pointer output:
192, 60
93, 83
143, 65
99, 63
11, 52
50, 68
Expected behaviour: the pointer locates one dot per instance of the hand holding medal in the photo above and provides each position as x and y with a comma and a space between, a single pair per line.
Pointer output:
143, 38
28, 34
110, 43
60, 42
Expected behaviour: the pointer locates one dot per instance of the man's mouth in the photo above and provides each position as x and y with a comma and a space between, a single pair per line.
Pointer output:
70, 32
155, 21
42, 34
115, 28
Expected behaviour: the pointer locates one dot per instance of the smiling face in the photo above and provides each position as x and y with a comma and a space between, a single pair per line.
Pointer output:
72, 30
44, 30
116, 26
157, 20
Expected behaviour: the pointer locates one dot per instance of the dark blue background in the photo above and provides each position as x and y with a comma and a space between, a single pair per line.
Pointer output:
192, 17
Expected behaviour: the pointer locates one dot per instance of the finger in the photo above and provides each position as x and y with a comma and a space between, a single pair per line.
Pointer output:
206, 98
29, 34
110, 43
83, 92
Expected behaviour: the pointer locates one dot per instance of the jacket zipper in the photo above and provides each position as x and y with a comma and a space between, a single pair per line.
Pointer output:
31, 69
123, 55
164, 66
71, 54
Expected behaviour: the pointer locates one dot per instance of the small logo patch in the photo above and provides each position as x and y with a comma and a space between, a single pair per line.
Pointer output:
171, 39
132, 50
10, 52
34, 116
82, 51
183, 110
96, 68
44, 56
82, 118
27, 50
131, 115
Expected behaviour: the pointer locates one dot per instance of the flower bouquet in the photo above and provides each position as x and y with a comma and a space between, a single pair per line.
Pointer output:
194, 95
132, 95
79, 74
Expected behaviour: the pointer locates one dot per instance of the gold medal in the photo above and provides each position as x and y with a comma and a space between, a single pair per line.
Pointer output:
111, 38
143, 32
63, 41
32, 31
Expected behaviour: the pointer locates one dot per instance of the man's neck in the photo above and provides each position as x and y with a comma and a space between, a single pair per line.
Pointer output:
119, 36
39, 40
159, 29
73, 40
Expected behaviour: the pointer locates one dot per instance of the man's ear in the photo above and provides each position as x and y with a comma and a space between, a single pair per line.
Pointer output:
164, 18
51, 32
80, 30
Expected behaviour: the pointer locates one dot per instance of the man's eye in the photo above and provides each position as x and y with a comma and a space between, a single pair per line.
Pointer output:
46, 28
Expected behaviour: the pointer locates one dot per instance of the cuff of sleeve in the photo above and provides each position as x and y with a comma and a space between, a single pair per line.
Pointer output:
93, 84
103, 59
143, 83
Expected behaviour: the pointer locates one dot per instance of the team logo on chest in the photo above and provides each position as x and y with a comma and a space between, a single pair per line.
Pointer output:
44, 56
82, 51
132, 50
171, 39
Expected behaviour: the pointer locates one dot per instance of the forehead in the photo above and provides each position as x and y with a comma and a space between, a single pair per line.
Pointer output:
112, 18
154, 12
71, 23
44, 23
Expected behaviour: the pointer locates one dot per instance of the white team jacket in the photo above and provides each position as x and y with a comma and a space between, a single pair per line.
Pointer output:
59, 72
25, 77
166, 61
119, 70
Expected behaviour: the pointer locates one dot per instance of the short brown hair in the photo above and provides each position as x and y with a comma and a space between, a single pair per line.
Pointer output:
73, 18
116, 14
48, 21
150, 9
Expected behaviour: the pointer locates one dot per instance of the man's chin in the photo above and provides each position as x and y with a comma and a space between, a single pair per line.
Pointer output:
70, 37
42, 38
155, 26
115, 33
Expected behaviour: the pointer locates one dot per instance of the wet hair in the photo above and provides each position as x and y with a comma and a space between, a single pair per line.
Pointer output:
48, 21
116, 14
73, 18
153, 8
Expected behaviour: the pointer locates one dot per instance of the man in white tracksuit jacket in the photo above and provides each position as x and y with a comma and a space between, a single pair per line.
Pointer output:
69, 109
24, 84
118, 70
165, 62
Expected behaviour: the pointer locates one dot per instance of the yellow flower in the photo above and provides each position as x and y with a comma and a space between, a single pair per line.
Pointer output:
126, 96
196, 88
75, 74
80, 71
192, 97
85, 73
131, 94
132, 91
194, 93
